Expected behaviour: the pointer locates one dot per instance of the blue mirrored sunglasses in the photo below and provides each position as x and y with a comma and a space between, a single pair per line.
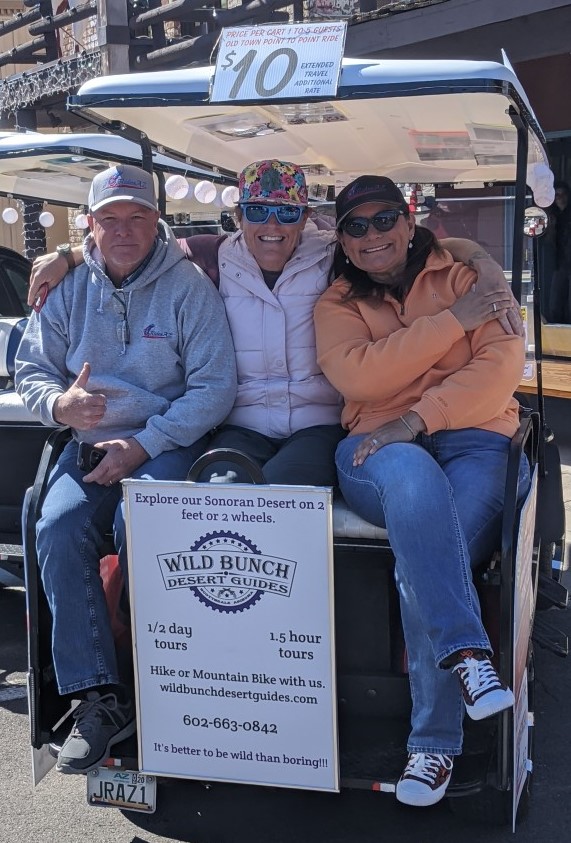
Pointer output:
285, 214
358, 226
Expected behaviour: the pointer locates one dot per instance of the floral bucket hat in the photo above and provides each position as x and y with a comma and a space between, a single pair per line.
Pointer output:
273, 181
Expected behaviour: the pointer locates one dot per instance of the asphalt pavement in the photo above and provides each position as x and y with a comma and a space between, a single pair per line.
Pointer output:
188, 811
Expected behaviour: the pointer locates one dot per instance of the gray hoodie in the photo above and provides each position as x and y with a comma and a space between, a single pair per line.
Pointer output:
169, 384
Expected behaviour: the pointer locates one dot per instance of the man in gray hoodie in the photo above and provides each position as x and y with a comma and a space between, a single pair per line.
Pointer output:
133, 353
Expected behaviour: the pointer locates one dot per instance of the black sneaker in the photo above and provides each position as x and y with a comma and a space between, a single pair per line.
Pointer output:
483, 691
100, 722
425, 779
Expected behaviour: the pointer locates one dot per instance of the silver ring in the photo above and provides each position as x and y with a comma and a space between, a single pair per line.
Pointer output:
374, 441
494, 307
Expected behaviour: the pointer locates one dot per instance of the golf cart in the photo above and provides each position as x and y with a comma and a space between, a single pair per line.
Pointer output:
445, 126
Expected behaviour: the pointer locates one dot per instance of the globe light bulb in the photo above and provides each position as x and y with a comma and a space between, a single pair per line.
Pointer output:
10, 215
230, 196
205, 192
176, 187
544, 196
46, 219
80, 221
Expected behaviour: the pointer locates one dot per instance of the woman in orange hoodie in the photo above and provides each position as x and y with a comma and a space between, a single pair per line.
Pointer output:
427, 375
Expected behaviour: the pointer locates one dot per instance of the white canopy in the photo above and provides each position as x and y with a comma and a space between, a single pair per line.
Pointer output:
415, 121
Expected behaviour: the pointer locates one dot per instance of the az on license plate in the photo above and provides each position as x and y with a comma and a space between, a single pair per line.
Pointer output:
126, 789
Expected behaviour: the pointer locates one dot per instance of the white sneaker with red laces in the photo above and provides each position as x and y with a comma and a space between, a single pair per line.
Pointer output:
483, 691
425, 779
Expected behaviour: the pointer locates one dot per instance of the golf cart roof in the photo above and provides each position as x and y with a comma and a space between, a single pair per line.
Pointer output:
59, 168
415, 121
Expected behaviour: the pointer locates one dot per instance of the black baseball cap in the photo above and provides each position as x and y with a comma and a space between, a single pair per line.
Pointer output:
368, 189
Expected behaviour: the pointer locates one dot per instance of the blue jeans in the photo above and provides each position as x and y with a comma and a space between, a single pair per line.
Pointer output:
70, 539
441, 501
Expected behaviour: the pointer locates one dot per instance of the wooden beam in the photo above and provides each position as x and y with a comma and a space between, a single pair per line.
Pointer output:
180, 53
190, 11
405, 34
190, 50
19, 20
158, 33
113, 36
53, 22
256, 11
24, 54
177, 11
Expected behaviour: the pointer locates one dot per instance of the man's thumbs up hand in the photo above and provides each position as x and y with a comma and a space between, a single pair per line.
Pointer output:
78, 407
83, 377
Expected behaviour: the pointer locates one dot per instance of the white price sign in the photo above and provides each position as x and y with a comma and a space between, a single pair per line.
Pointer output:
232, 604
269, 62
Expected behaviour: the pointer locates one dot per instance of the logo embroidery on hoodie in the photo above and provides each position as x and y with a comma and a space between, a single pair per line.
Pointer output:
152, 333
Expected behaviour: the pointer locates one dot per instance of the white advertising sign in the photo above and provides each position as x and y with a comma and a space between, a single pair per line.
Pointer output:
232, 611
523, 616
286, 61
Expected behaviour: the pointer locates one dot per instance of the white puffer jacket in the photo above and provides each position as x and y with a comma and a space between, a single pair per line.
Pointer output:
281, 389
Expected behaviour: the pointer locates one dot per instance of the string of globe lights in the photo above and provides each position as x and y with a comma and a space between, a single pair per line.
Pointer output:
32, 212
177, 187
204, 191
11, 214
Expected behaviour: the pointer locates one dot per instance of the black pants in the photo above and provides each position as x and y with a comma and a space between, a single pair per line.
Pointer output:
307, 458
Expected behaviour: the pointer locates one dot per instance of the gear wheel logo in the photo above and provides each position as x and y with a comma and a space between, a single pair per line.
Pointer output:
231, 596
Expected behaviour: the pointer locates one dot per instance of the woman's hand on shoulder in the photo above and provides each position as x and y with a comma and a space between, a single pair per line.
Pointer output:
491, 279
47, 269
478, 306
404, 429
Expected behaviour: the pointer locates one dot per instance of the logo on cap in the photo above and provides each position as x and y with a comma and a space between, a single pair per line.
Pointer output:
117, 180
357, 190
122, 183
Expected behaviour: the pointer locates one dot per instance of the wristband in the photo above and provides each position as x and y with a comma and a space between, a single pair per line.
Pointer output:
409, 428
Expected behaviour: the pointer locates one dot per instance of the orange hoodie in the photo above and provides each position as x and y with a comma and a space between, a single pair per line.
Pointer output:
386, 359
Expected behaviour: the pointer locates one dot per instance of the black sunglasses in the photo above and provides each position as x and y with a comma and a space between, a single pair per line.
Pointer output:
358, 226
285, 214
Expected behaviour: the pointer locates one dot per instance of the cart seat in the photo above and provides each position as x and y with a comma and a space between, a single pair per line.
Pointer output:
12, 409
11, 330
348, 525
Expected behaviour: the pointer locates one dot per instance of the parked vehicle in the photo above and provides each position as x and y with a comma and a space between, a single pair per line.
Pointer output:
458, 124
21, 437
14, 277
